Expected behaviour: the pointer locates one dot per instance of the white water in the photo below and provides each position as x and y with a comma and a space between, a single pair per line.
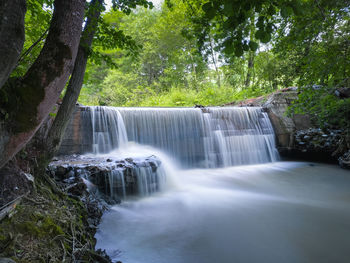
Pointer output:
214, 137
273, 213
278, 212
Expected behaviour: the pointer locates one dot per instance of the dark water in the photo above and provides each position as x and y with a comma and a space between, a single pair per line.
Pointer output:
279, 212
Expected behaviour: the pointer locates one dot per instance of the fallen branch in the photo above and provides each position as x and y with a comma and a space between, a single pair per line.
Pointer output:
9, 207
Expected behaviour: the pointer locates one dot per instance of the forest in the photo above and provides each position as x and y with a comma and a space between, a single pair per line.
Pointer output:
87, 86
175, 61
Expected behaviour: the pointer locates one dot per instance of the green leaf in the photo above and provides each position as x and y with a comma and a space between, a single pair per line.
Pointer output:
228, 8
253, 45
245, 47
266, 37
271, 11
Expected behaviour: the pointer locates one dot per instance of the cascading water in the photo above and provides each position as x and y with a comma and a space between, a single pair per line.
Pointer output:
108, 130
263, 213
209, 138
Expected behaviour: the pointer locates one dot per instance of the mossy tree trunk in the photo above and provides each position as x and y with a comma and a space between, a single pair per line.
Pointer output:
53, 140
30, 99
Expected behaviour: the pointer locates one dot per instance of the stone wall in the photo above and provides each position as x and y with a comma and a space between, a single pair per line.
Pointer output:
78, 135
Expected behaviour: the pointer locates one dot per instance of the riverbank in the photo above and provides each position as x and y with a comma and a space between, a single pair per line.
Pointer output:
42, 226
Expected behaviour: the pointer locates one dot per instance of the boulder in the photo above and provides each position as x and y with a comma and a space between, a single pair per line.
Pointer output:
276, 106
344, 161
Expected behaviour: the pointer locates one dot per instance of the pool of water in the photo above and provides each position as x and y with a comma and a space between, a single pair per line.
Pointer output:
279, 212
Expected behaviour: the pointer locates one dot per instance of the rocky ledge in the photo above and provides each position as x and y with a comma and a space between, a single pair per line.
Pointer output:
323, 145
109, 179
318, 140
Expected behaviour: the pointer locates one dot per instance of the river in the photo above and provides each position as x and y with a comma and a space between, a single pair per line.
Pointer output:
275, 212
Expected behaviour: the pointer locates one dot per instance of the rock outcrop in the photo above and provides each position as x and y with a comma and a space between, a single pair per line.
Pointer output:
276, 105
111, 179
296, 135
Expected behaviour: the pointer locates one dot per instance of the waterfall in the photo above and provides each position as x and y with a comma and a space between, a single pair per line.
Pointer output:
108, 130
209, 137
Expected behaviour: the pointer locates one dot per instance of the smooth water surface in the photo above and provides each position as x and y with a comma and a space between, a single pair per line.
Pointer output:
279, 212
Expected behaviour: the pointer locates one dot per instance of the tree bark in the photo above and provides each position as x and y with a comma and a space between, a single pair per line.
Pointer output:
70, 99
31, 98
12, 14
250, 70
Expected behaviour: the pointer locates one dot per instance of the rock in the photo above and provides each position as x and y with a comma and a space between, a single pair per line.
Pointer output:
276, 107
109, 160
6, 260
78, 188
199, 106
307, 137
111, 180
69, 174
344, 161
70, 180
129, 160
60, 171
343, 93
95, 208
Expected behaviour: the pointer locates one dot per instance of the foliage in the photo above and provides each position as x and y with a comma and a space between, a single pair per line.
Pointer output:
229, 22
37, 21
168, 64
317, 47
327, 110
202, 52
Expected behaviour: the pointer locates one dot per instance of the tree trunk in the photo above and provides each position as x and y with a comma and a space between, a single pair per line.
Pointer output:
215, 62
12, 14
250, 70
56, 132
31, 98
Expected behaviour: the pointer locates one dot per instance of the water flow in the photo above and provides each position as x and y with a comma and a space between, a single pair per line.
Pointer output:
107, 128
208, 138
269, 213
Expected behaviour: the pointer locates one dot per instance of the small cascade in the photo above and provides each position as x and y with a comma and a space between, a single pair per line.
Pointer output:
129, 177
114, 179
108, 130
208, 138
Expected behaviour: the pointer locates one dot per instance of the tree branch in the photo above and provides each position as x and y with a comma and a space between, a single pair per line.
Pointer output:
12, 14
32, 99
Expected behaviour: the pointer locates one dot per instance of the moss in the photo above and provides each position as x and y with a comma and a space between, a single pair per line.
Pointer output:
50, 227
21, 97
29, 227
44, 227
